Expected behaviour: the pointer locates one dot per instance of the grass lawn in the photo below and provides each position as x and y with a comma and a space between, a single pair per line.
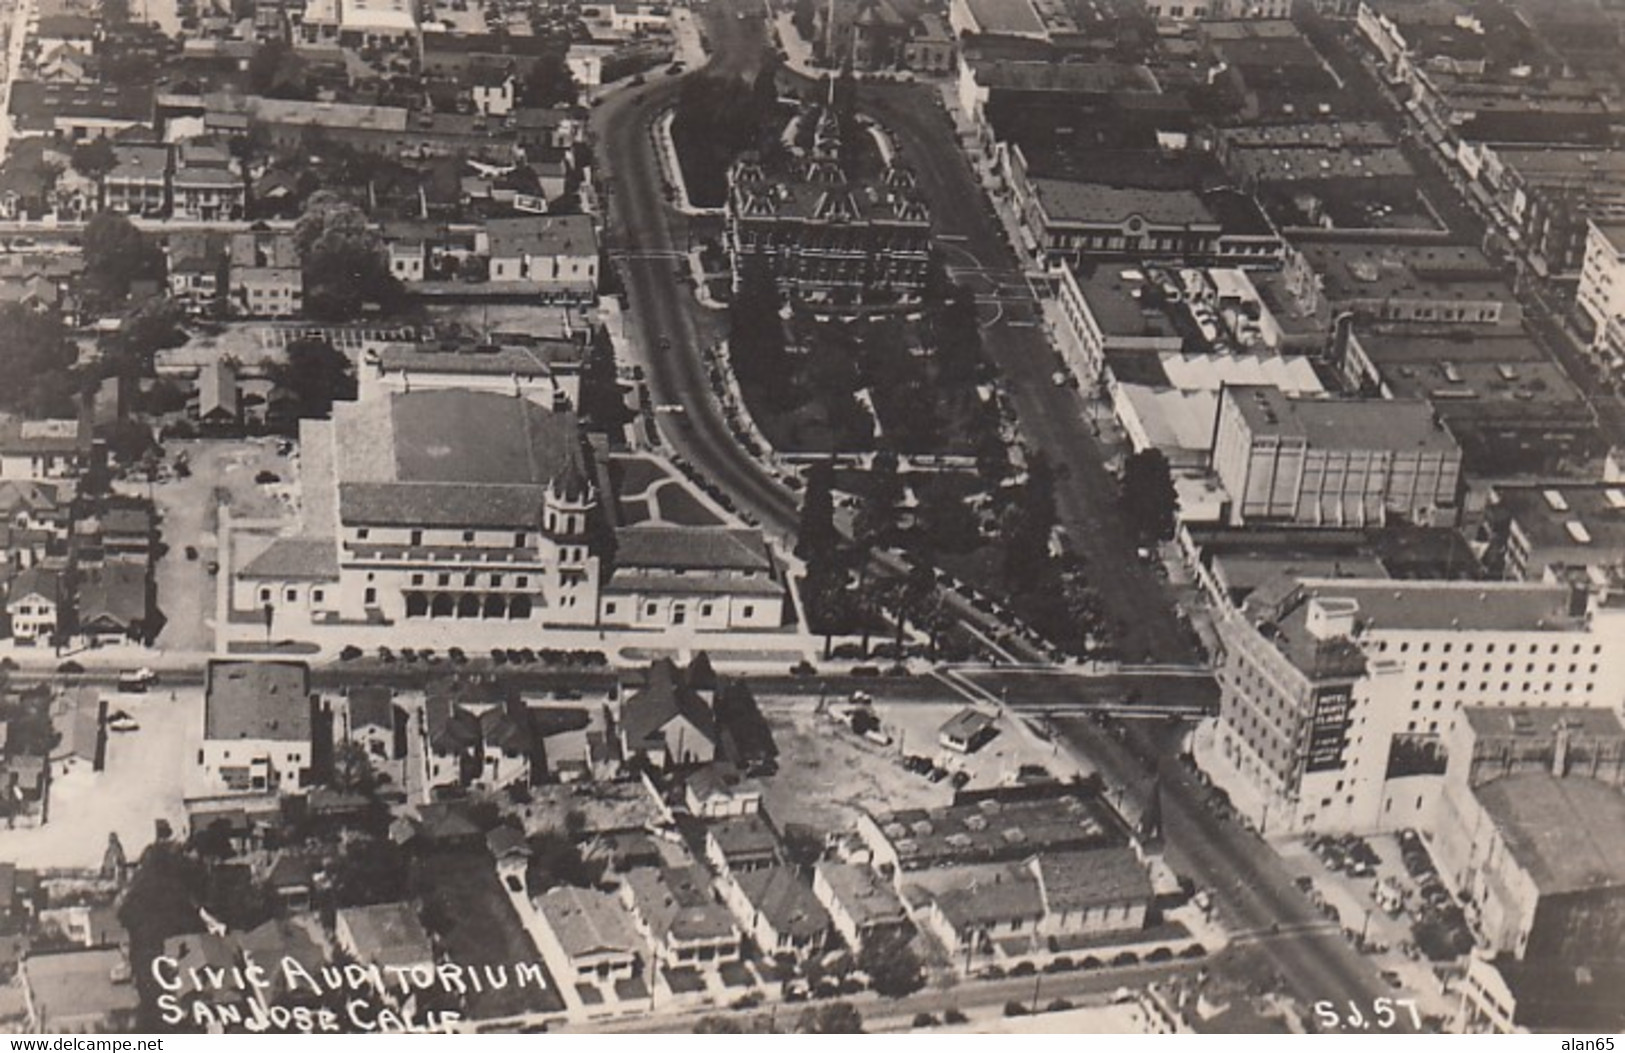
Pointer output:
476, 925
679, 506
636, 474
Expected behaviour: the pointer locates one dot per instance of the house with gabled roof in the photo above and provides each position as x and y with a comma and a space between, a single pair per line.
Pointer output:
778, 911
666, 722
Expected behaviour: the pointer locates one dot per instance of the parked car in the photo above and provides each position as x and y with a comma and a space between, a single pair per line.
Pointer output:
122, 721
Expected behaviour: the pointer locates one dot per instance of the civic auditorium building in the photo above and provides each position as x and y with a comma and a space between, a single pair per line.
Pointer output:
455, 509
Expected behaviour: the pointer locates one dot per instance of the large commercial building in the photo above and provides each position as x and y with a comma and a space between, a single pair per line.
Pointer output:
453, 509
1560, 528
1601, 295
1397, 281
820, 232
1330, 462
1339, 695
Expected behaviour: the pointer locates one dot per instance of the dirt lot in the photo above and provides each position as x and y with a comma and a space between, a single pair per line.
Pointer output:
142, 783
827, 774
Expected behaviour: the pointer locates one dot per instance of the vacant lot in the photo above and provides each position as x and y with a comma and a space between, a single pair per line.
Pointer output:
476, 925
827, 774
142, 783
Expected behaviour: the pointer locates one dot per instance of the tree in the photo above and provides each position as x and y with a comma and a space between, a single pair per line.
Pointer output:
831, 1018
756, 345
1148, 495
828, 600
603, 402
116, 255
352, 770
93, 158
37, 362
895, 971
344, 262
368, 870
549, 82
876, 522
150, 328
317, 374
817, 539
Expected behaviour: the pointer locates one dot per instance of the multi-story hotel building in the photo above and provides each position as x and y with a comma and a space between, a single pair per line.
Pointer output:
1339, 696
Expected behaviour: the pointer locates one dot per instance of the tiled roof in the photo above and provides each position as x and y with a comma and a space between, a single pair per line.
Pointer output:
388, 934
294, 559
691, 548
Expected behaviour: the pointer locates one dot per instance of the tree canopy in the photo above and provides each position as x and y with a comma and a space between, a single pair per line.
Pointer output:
36, 360
317, 374
1148, 495
345, 266
116, 256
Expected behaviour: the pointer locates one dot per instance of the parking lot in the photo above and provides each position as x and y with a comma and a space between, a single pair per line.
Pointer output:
221, 472
1404, 920
141, 784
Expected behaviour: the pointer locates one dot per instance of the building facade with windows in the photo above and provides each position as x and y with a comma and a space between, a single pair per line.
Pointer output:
1338, 697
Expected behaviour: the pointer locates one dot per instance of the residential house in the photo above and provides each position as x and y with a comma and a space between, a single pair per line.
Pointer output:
676, 911
128, 531
196, 270
718, 790
76, 716
492, 91
266, 280
985, 909
666, 722
475, 733
138, 183
115, 602
38, 604
66, 63
79, 992
207, 192
741, 843
777, 911
511, 852
258, 727
586, 935
387, 935
44, 449
370, 722
862, 907
219, 401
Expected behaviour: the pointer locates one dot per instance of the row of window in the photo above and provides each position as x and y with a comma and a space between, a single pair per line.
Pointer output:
521, 539
1466, 667
1506, 685
1489, 648
471, 579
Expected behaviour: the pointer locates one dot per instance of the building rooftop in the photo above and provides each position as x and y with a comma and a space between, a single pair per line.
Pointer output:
1542, 722
294, 559
1353, 271
784, 901
71, 985
1568, 834
588, 922
676, 903
1583, 522
387, 934
539, 358
1465, 606
542, 236
1397, 425
257, 700
862, 894
988, 829
1119, 305
742, 836
1006, 17
1101, 877
691, 548
1084, 203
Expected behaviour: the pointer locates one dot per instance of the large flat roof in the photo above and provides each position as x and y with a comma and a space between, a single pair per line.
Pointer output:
1546, 515
989, 829
1398, 425
258, 700
1462, 606
1367, 270
1072, 202
1587, 722
1011, 17
1568, 834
